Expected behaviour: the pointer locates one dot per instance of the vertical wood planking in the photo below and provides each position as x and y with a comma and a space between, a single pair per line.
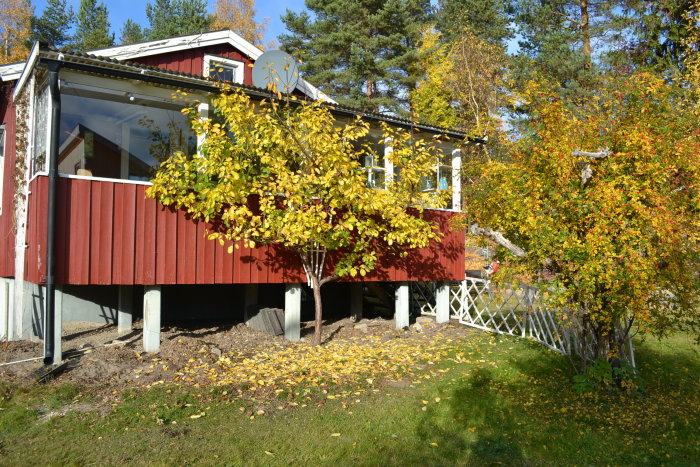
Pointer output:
192, 240
150, 222
30, 229
186, 249
124, 233
227, 264
166, 246
209, 259
171, 251
199, 264
62, 203
145, 238
79, 228
106, 233
139, 246
219, 252
109, 233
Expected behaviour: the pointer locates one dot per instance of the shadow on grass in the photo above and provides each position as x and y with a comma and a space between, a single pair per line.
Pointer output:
523, 410
474, 426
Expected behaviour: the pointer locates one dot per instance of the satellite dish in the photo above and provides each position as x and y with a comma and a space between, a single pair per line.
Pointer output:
277, 69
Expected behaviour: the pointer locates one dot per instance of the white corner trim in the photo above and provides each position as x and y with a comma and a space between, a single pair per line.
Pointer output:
27, 71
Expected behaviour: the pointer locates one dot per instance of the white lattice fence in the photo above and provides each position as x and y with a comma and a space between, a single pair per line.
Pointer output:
514, 311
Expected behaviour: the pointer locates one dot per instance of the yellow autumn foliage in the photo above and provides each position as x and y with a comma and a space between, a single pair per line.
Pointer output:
622, 243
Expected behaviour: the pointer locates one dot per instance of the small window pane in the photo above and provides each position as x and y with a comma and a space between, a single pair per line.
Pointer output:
444, 177
375, 178
428, 182
222, 72
40, 128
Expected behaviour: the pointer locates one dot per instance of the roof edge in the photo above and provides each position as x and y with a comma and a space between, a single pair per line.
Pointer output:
27, 71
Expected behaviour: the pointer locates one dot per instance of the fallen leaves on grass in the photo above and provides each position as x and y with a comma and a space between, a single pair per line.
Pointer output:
355, 361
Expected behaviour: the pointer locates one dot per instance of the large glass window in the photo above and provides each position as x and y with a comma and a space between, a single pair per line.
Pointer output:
116, 134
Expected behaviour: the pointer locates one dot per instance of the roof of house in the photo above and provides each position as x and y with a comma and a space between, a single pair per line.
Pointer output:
115, 61
174, 44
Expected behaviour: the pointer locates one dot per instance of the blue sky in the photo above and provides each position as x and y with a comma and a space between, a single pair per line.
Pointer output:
120, 11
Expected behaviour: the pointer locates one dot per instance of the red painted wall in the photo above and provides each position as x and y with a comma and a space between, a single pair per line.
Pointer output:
7, 236
110, 233
192, 61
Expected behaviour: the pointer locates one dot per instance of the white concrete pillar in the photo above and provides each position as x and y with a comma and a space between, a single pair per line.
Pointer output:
457, 180
292, 312
6, 303
125, 312
401, 307
151, 318
442, 302
58, 326
356, 292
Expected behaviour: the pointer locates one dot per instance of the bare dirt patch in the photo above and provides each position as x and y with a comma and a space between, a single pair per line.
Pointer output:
102, 361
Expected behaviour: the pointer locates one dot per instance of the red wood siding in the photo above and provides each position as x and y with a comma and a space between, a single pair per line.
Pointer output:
110, 233
7, 230
191, 61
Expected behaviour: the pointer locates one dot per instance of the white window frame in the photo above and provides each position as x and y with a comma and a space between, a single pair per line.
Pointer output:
3, 145
237, 66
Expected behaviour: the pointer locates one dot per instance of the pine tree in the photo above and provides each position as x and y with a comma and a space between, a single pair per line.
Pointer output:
170, 18
239, 16
361, 52
92, 27
659, 30
564, 41
132, 32
15, 30
487, 19
54, 25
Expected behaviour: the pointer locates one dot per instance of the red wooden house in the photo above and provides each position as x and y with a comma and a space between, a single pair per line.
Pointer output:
79, 240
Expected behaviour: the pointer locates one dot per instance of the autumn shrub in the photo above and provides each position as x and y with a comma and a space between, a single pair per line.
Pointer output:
605, 377
602, 201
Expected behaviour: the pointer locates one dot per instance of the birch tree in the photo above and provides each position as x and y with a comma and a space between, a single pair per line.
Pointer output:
15, 30
239, 16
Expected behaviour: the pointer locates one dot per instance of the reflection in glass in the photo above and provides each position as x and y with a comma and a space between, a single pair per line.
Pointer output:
113, 134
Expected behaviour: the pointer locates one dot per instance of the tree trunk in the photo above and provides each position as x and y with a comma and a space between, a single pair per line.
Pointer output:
586, 32
318, 307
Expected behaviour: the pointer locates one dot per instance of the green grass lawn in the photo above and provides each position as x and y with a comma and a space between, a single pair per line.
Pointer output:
493, 401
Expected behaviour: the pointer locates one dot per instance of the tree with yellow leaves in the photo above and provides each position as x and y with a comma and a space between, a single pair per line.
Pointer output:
283, 172
600, 205
239, 16
463, 84
691, 63
15, 30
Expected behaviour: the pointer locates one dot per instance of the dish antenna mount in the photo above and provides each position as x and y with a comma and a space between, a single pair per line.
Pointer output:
276, 70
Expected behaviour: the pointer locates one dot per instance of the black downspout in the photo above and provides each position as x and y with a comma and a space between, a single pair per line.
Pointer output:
50, 318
